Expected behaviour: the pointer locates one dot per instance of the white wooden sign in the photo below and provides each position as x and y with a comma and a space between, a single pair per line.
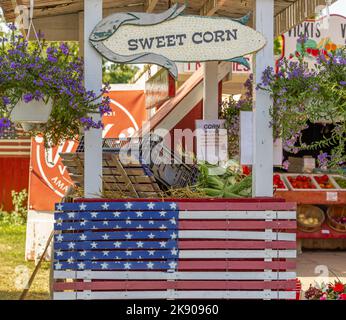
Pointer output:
212, 140
246, 141
166, 37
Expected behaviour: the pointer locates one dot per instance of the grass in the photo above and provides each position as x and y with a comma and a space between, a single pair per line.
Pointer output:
12, 263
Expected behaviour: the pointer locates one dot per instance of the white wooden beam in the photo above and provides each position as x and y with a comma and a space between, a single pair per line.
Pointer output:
210, 91
93, 81
150, 5
262, 184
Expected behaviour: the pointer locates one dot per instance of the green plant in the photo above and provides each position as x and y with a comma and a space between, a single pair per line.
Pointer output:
48, 71
300, 94
19, 214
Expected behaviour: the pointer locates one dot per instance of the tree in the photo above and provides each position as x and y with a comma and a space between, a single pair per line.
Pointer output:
117, 73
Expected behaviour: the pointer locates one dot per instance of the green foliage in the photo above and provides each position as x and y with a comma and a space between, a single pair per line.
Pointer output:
19, 215
301, 94
118, 73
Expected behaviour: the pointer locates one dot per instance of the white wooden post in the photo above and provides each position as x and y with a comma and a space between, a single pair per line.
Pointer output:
262, 184
210, 91
93, 81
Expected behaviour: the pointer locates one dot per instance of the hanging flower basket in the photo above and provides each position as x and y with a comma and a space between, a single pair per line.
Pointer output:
30, 114
41, 88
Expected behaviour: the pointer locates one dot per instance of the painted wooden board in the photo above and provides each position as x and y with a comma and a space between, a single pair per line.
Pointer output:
145, 247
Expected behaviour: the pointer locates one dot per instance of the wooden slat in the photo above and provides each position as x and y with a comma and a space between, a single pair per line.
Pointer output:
206, 294
181, 285
150, 275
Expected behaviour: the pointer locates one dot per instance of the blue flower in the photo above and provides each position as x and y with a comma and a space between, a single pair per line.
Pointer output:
28, 97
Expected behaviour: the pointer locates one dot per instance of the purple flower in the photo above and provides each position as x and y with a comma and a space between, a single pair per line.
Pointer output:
323, 159
4, 123
6, 100
64, 49
343, 83
12, 26
28, 97
285, 164
51, 58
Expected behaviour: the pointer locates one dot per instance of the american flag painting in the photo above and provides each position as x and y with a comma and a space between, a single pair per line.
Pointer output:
201, 249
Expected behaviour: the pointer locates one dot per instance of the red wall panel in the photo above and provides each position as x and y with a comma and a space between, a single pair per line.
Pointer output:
14, 175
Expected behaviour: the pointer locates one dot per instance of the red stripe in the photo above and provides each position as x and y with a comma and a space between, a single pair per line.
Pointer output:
177, 285
234, 224
236, 244
234, 265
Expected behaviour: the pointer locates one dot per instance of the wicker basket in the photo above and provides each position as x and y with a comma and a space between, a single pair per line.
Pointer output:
336, 212
310, 212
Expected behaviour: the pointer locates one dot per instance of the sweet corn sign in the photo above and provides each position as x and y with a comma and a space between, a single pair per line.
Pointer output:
170, 37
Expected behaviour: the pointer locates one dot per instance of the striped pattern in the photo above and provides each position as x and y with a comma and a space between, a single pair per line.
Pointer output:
175, 250
13, 142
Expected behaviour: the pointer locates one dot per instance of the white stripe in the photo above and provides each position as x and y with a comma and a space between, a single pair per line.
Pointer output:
14, 153
152, 275
171, 294
226, 234
24, 147
244, 254
237, 215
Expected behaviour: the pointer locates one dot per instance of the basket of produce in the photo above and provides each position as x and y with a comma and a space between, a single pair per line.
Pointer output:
279, 183
301, 182
325, 182
309, 218
340, 181
336, 218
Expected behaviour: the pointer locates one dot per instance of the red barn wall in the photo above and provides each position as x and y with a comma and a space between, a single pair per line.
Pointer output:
14, 175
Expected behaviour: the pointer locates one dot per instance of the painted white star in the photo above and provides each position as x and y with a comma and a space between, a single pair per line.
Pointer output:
151, 252
59, 207
127, 265
105, 236
139, 214
163, 213
105, 223
117, 244
173, 235
104, 265
94, 227
128, 221
116, 214
150, 265
173, 221
82, 223
94, 245
128, 236
59, 222
70, 228
163, 244
82, 207
71, 214
93, 258
172, 265
94, 214
173, 205
139, 226
117, 227
82, 237
151, 205
162, 227
70, 260
81, 265
128, 252
71, 245
105, 206
128, 205
59, 253
58, 266
82, 253
60, 237
151, 236
151, 221
140, 244
105, 253
174, 251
